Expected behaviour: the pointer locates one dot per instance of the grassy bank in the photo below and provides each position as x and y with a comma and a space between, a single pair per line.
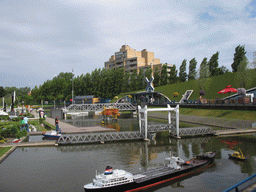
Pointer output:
213, 86
228, 114
3, 150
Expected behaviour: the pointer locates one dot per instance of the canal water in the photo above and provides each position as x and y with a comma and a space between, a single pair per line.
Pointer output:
69, 168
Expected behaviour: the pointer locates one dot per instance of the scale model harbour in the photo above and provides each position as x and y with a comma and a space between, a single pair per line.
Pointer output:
121, 180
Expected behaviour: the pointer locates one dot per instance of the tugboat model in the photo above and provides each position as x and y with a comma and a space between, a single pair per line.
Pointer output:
121, 180
238, 155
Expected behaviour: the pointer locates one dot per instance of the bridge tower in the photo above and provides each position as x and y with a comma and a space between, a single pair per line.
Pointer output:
143, 119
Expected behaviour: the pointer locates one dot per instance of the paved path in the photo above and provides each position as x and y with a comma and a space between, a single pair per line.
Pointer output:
211, 121
69, 129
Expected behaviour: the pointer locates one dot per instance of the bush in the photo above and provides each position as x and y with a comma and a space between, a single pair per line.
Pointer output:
16, 118
19, 135
41, 120
24, 133
13, 130
4, 117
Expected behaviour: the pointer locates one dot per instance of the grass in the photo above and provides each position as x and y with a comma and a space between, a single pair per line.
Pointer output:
228, 114
215, 84
3, 150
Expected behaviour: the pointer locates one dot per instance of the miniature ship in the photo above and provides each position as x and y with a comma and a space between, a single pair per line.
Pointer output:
238, 155
51, 135
121, 180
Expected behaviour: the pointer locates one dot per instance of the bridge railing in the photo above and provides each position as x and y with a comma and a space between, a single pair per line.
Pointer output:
99, 107
248, 181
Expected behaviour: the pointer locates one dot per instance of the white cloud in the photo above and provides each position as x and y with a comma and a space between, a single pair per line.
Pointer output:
56, 36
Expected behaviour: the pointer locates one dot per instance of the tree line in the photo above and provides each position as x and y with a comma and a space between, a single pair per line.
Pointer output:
105, 83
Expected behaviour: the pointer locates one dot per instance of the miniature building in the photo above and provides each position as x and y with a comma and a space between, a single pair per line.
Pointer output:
86, 99
131, 60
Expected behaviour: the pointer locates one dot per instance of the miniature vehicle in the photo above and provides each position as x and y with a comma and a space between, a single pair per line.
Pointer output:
238, 155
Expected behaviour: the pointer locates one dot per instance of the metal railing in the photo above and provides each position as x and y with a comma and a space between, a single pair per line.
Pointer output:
235, 187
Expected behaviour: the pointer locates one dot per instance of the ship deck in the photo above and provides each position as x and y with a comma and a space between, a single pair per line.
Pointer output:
164, 171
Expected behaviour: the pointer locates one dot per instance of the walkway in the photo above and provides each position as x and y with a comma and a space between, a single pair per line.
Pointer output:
70, 129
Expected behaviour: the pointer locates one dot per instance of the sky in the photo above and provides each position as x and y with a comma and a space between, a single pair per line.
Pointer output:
40, 39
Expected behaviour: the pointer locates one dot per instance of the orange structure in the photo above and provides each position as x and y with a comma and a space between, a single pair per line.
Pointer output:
114, 112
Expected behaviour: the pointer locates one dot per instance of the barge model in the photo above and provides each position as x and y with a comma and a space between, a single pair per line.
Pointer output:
121, 180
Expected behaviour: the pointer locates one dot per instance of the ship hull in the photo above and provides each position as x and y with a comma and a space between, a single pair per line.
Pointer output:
168, 175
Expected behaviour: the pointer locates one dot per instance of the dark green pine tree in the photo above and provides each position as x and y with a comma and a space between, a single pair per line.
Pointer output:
192, 69
164, 75
183, 73
238, 57
126, 84
2, 92
133, 80
156, 77
140, 80
173, 75
148, 72
213, 64
204, 69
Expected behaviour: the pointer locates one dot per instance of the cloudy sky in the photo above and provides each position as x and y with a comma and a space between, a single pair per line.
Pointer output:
40, 39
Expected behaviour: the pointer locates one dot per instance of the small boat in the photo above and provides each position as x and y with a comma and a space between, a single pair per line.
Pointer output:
121, 180
238, 155
51, 135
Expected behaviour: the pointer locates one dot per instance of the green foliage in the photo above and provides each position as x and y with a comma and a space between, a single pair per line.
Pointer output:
192, 69
41, 120
215, 84
16, 118
133, 80
4, 117
238, 57
24, 133
173, 75
213, 64
148, 72
140, 80
156, 77
243, 75
2, 92
19, 135
164, 75
183, 73
204, 69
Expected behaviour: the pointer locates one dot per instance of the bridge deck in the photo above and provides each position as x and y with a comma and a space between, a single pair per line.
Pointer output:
99, 137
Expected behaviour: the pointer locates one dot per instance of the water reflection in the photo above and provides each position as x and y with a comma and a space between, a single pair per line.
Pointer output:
74, 165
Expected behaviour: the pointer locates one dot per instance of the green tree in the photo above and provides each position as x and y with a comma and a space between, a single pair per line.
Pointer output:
204, 69
183, 73
126, 84
204, 73
164, 75
192, 69
244, 77
238, 57
156, 77
173, 75
133, 80
253, 63
213, 64
148, 72
2, 92
140, 80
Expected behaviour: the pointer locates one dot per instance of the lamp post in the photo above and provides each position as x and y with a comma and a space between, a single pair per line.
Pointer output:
72, 88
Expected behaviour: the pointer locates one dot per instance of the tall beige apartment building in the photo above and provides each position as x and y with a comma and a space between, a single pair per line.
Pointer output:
131, 60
